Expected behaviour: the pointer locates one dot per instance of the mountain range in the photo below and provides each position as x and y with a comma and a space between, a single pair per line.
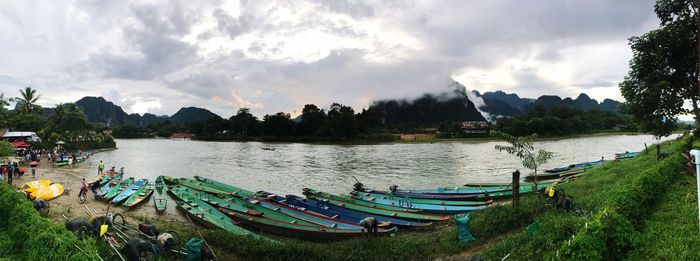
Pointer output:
501, 104
99, 110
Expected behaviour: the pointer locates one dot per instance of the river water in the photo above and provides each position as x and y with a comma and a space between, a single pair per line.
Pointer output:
293, 166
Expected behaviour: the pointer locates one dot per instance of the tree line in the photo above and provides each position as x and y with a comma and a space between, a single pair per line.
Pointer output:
65, 122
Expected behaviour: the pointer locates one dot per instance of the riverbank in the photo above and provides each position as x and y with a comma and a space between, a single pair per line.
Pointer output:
500, 229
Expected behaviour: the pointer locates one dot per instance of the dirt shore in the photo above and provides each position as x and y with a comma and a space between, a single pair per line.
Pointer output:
68, 205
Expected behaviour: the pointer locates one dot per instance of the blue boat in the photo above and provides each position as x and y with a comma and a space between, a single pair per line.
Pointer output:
449, 191
303, 215
341, 213
575, 166
129, 191
401, 194
428, 208
105, 188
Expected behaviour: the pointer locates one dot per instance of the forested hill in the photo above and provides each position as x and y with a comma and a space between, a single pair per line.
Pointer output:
99, 110
429, 110
503, 104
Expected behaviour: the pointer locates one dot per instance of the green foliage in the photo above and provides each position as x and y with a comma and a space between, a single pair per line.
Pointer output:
563, 120
24, 235
5, 149
663, 70
68, 117
522, 148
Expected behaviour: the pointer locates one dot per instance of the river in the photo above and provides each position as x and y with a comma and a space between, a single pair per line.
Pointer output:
293, 166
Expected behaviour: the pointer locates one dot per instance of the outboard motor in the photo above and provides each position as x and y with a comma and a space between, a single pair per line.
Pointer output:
359, 187
393, 188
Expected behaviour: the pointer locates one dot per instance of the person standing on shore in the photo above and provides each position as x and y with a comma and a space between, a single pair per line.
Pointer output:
100, 168
33, 165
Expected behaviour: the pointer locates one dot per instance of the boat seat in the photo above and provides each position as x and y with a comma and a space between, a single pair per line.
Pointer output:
253, 212
335, 216
334, 225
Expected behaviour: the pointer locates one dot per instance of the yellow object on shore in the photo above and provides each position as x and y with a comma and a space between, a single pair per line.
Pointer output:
32, 186
48, 193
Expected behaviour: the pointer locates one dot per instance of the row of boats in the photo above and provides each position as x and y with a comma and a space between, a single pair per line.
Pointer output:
129, 192
319, 215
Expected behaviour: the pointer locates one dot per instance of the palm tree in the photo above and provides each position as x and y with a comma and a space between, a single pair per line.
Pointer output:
27, 102
3, 102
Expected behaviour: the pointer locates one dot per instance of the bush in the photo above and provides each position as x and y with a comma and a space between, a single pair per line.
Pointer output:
25, 235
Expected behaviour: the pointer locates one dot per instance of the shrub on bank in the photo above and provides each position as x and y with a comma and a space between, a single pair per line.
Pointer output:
611, 233
25, 235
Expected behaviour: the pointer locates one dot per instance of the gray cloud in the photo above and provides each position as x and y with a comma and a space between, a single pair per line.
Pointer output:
278, 56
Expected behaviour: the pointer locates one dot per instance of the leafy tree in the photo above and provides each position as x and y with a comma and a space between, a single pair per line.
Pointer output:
3, 102
5, 149
313, 121
279, 125
342, 122
664, 69
522, 148
27, 122
244, 123
69, 117
26, 102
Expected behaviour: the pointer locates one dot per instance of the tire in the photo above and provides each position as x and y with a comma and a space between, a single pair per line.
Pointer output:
83, 232
118, 221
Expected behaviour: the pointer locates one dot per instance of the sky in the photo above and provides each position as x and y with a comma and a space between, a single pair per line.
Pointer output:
271, 56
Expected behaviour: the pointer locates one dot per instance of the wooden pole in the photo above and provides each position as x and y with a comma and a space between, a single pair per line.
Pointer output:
516, 188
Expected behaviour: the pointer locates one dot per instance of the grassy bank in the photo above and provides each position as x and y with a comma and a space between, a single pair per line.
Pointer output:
24, 235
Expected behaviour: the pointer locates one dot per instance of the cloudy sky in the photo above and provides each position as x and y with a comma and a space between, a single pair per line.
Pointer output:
279, 55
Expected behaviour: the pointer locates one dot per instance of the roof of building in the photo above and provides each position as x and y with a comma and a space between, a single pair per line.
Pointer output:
12, 134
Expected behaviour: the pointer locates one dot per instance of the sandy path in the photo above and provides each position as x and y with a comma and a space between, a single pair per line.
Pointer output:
68, 204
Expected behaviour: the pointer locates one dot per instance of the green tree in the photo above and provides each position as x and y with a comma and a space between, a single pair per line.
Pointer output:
313, 121
278, 125
522, 148
5, 148
69, 117
244, 123
27, 101
341, 121
664, 69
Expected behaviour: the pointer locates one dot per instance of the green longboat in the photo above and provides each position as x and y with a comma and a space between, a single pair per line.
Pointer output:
206, 187
349, 199
235, 191
377, 211
423, 200
139, 196
160, 199
556, 175
207, 214
235, 204
114, 191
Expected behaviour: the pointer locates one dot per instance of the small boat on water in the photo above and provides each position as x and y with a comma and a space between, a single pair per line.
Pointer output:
428, 208
343, 213
140, 196
626, 155
556, 175
128, 191
575, 166
32, 186
48, 193
160, 199
346, 198
117, 189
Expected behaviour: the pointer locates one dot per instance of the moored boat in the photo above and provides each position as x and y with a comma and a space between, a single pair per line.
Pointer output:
139, 196
428, 208
407, 215
346, 214
207, 214
160, 199
343, 198
472, 202
102, 191
116, 189
128, 191
626, 155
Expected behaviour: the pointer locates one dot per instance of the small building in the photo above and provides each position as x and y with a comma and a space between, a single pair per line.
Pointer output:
181, 136
417, 136
24, 136
474, 127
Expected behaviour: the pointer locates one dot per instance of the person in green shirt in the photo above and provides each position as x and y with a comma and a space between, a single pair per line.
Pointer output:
100, 167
